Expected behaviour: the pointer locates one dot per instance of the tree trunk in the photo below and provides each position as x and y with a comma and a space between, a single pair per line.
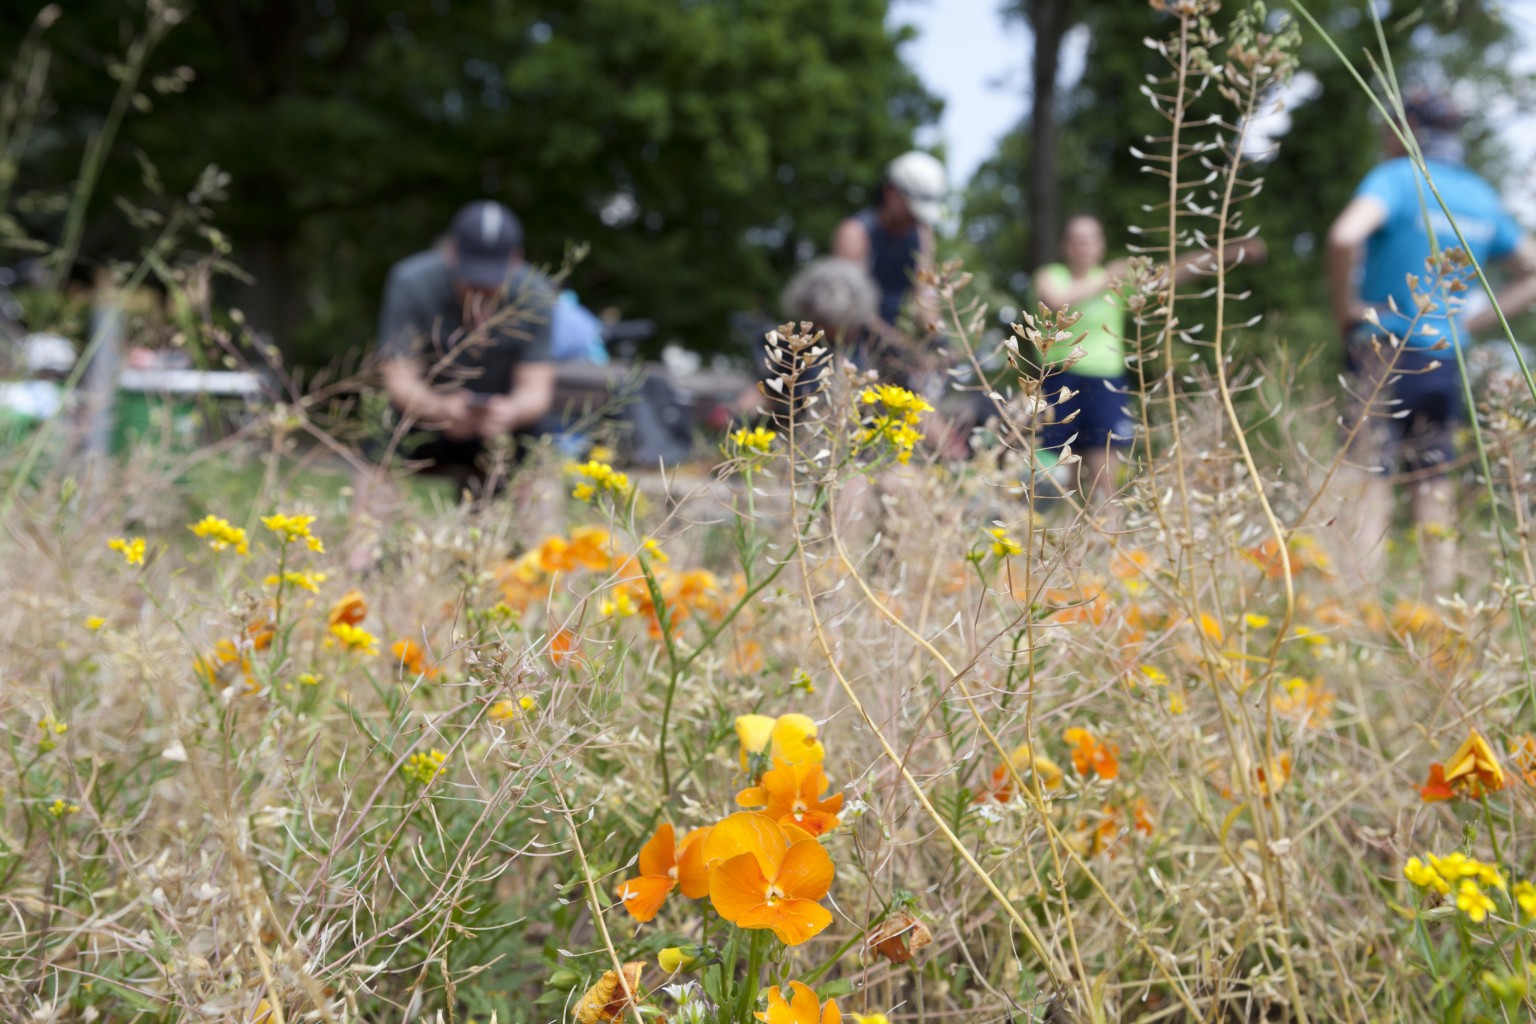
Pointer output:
1050, 21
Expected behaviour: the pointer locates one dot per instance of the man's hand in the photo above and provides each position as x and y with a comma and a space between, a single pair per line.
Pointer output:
501, 416
454, 414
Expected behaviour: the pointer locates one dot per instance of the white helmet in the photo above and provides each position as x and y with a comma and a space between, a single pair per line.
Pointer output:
922, 182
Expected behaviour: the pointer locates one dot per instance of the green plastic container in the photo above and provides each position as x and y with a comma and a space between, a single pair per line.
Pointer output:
160, 420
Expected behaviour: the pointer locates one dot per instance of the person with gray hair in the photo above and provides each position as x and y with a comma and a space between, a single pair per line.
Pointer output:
836, 295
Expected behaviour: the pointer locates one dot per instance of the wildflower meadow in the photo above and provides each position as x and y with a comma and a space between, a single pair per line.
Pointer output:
819, 727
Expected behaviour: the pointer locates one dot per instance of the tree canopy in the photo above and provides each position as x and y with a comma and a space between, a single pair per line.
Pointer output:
702, 148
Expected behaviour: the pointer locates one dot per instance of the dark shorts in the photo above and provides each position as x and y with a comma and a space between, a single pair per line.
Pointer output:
1417, 408
429, 452
1102, 405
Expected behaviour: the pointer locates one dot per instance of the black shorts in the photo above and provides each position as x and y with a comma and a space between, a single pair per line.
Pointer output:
1418, 407
432, 453
1103, 418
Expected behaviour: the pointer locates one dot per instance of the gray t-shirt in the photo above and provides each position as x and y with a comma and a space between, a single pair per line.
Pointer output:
422, 317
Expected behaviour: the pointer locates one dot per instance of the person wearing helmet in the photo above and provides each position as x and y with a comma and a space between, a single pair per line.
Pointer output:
1404, 322
893, 241
464, 340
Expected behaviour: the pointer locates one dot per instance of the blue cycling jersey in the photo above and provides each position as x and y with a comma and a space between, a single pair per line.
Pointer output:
1402, 244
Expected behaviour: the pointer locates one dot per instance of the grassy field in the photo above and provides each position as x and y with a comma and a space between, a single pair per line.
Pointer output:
821, 718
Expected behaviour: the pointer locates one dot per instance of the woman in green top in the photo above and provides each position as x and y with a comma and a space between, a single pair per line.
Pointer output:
1096, 383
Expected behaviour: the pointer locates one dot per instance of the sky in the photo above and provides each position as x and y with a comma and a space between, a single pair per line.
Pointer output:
978, 62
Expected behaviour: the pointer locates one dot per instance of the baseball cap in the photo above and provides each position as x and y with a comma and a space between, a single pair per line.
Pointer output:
485, 234
1425, 109
922, 182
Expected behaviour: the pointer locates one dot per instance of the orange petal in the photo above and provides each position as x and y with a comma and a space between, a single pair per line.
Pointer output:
644, 896
752, 796
807, 871
778, 1011
817, 823
737, 887
1436, 788
658, 856
747, 832
793, 921
692, 875
804, 1002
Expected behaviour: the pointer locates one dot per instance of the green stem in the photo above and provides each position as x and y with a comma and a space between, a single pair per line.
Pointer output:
749, 984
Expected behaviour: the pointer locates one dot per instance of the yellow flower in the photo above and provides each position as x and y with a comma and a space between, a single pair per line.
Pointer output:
620, 605
896, 423
1525, 896
869, 1018
309, 581
1473, 901
788, 738
309, 679
59, 808
674, 958
353, 638
94, 622
1311, 636
51, 727
598, 478
131, 550
1256, 621
221, 535
755, 439
423, 768
292, 528
507, 710
1424, 876
1002, 544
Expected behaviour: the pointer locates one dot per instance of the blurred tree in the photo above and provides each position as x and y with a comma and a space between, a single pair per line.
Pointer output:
1049, 22
702, 148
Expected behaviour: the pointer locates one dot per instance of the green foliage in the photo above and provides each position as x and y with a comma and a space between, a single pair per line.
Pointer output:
740, 132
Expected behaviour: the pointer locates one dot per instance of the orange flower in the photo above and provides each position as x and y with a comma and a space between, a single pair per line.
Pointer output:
562, 647
1089, 754
608, 999
1473, 772
1274, 777
802, 1007
664, 866
1024, 761
791, 795
521, 580
409, 656
1094, 839
590, 547
1523, 750
1129, 564
1309, 703
1085, 604
351, 608
764, 875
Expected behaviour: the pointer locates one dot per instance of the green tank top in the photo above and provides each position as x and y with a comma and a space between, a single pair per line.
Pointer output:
1101, 328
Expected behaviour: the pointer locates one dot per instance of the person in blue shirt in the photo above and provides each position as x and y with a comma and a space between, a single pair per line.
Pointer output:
1404, 317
